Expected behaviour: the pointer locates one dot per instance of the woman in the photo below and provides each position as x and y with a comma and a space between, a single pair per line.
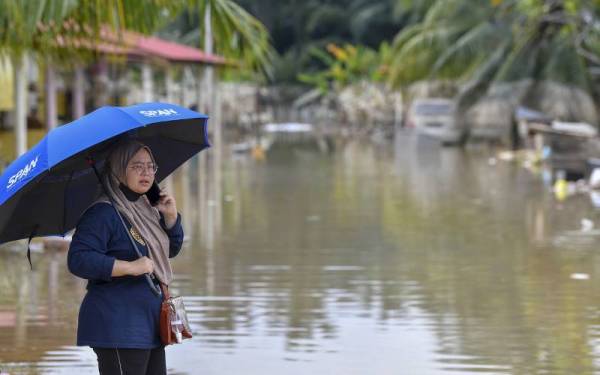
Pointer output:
119, 314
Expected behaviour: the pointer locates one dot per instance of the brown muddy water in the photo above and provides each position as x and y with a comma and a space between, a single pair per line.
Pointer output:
394, 259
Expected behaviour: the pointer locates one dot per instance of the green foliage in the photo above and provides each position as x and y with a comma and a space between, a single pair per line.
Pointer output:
237, 35
51, 27
64, 29
458, 39
348, 64
299, 27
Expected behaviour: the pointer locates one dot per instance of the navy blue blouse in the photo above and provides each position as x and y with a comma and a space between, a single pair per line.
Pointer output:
116, 312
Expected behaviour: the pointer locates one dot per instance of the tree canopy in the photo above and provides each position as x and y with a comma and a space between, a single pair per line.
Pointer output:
298, 28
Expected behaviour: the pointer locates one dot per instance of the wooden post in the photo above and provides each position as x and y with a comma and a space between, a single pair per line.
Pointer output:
199, 88
51, 118
168, 182
187, 79
21, 78
147, 82
169, 85
185, 193
217, 159
78, 93
101, 85
213, 104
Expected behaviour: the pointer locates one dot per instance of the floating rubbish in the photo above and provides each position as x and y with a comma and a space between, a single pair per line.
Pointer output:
240, 148
229, 198
313, 218
586, 225
546, 152
258, 153
492, 161
580, 276
595, 198
561, 186
595, 179
288, 127
506, 155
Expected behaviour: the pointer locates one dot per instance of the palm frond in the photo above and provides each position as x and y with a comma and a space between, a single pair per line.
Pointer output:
482, 78
237, 34
565, 65
467, 49
414, 59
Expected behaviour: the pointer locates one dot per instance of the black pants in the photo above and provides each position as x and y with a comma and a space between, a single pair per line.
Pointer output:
131, 361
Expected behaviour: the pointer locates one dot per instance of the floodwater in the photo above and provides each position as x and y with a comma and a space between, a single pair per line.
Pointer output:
401, 258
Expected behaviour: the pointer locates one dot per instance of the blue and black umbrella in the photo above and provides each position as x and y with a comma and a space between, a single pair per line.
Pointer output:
45, 191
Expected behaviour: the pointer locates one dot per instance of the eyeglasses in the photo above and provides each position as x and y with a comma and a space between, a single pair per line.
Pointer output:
149, 168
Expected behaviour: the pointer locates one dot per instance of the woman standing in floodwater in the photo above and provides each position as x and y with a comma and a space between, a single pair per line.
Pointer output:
119, 315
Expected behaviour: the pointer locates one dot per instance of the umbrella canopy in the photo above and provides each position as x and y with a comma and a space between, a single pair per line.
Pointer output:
45, 191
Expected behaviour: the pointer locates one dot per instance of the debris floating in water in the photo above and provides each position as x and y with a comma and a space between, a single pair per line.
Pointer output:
580, 276
586, 225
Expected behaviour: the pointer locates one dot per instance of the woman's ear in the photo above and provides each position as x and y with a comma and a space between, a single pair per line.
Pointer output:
153, 194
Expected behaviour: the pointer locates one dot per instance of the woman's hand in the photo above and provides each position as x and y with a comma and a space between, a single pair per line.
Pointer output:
135, 268
168, 207
141, 266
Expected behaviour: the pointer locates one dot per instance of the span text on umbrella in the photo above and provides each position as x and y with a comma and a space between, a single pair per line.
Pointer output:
22, 173
159, 112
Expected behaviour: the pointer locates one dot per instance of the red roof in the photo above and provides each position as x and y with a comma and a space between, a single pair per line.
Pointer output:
136, 44
154, 46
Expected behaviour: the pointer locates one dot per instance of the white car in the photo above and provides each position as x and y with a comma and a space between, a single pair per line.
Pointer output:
434, 117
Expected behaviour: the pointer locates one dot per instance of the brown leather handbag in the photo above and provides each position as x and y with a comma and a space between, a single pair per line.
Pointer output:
174, 326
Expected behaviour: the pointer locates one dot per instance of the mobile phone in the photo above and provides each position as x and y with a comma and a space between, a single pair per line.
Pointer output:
153, 194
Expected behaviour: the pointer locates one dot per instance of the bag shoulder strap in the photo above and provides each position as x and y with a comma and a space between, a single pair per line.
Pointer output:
165, 291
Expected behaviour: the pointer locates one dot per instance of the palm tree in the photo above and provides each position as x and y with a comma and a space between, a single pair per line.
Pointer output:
482, 42
236, 34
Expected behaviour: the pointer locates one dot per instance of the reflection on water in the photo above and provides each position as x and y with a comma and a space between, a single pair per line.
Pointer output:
393, 259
